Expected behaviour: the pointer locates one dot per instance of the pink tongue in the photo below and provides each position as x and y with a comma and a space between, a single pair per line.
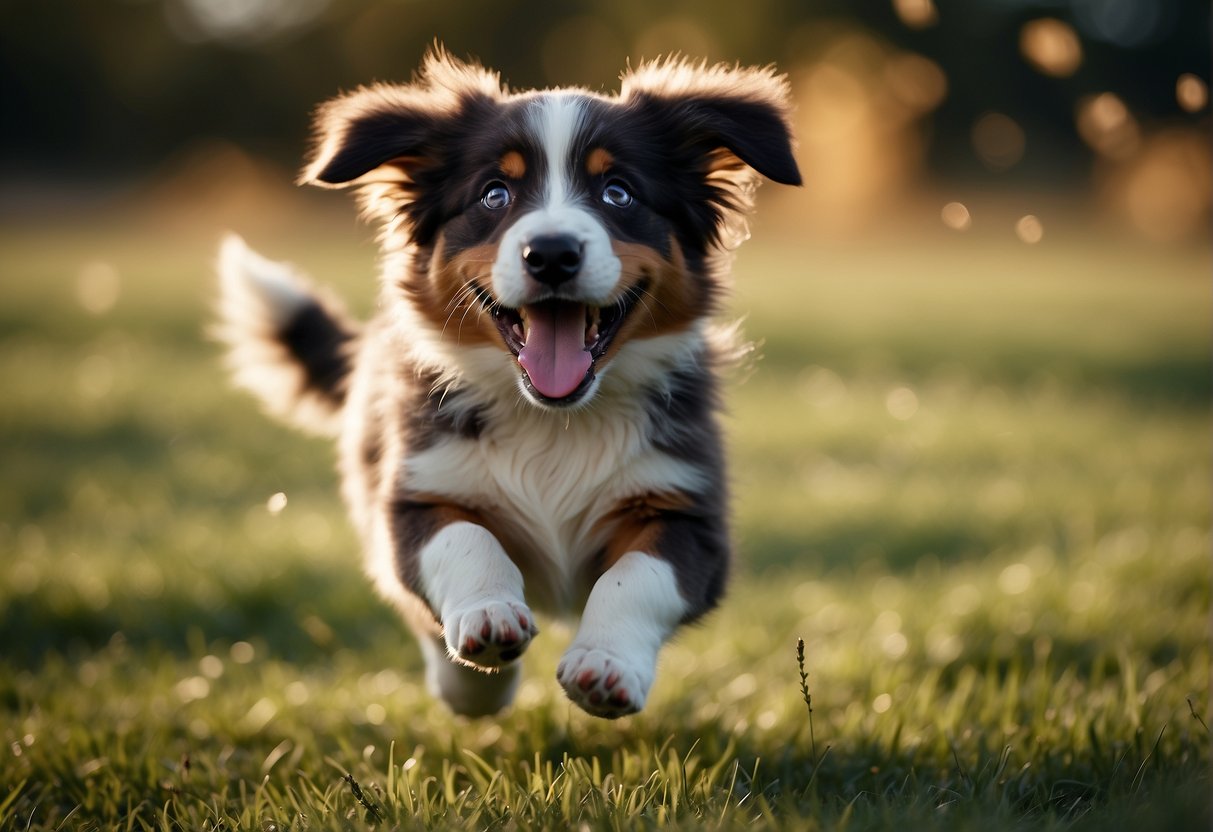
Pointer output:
555, 357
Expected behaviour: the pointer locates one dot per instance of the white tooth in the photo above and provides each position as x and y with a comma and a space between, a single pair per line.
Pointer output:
518, 332
591, 335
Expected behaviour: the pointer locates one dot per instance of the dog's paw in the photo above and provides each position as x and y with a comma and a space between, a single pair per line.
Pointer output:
489, 633
603, 683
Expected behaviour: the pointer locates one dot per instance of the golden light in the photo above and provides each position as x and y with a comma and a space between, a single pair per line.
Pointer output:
1165, 190
1107, 126
1029, 229
675, 34
917, 14
956, 216
1191, 92
853, 145
98, 287
859, 104
915, 81
1051, 46
998, 140
902, 403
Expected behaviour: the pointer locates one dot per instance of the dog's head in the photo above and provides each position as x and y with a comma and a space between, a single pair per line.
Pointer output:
557, 228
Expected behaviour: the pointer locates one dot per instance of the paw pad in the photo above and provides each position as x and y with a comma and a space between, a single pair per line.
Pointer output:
490, 634
603, 683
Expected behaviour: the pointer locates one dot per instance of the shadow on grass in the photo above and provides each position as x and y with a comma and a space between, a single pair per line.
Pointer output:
302, 619
893, 546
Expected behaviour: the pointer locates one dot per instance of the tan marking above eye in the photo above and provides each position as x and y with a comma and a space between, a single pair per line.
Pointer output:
513, 165
598, 161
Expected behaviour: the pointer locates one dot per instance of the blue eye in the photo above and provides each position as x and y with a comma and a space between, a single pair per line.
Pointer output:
496, 196
617, 194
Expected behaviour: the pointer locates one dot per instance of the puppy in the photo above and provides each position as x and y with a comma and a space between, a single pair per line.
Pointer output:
529, 421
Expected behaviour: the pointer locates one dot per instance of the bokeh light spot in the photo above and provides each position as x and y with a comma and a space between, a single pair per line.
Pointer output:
1029, 229
895, 645
211, 666
1051, 46
1015, 579
192, 689
1126, 23
276, 503
917, 14
916, 81
97, 287
296, 693
239, 21
956, 216
1166, 189
1191, 92
999, 141
902, 403
1107, 126
882, 703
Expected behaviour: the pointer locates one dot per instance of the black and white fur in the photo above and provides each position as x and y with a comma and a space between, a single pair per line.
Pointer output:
485, 474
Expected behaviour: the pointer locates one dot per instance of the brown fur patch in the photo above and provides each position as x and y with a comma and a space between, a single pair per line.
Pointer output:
429, 514
672, 300
637, 523
513, 165
598, 161
444, 296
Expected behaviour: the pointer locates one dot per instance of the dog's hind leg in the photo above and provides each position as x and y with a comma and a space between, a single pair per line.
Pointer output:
467, 691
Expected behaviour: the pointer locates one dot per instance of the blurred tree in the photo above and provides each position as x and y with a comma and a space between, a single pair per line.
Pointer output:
103, 89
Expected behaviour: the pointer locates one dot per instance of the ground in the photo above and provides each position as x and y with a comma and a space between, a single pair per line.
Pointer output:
971, 474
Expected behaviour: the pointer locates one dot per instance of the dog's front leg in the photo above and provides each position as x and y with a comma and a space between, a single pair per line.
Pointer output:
668, 558
473, 592
470, 582
633, 608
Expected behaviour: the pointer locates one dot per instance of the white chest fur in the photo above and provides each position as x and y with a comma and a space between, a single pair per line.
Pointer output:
548, 479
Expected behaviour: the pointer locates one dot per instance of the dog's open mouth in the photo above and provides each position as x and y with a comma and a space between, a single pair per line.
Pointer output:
559, 342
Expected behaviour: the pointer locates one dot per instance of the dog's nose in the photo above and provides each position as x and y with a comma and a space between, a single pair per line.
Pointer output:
553, 258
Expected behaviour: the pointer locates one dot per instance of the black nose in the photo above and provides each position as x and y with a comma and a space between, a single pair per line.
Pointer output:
552, 258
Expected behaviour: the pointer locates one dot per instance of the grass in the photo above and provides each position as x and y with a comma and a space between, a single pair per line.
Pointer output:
972, 477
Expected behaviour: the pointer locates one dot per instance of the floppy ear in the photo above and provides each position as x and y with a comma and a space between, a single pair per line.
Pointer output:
714, 131
371, 128
386, 138
743, 111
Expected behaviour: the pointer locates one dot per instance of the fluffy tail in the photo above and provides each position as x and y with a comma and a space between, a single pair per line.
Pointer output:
287, 342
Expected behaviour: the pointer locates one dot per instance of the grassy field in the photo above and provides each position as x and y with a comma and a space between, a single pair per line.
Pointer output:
972, 476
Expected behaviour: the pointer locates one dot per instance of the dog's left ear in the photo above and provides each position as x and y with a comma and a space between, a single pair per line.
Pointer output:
743, 111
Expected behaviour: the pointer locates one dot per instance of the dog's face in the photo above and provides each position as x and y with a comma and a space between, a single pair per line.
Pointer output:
558, 227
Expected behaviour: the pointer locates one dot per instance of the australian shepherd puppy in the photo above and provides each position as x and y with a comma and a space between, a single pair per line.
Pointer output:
529, 421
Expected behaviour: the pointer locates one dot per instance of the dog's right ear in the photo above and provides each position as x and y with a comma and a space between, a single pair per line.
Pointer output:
388, 139
373, 134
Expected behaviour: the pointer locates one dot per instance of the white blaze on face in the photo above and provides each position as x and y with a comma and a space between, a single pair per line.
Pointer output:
557, 122
555, 119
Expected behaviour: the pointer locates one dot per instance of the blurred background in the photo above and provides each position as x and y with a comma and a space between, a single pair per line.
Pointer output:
984, 321
200, 108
